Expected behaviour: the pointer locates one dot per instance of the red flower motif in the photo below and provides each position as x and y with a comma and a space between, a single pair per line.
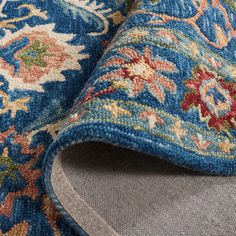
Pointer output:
139, 72
214, 97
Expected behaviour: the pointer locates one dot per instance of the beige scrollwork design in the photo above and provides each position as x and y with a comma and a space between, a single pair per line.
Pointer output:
10, 23
222, 37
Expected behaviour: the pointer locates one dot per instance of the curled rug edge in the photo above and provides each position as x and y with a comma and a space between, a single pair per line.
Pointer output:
108, 112
118, 105
77, 211
127, 136
181, 198
117, 136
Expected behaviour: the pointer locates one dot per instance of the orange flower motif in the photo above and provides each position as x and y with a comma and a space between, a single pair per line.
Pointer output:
167, 35
200, 142
36, 55
142, 72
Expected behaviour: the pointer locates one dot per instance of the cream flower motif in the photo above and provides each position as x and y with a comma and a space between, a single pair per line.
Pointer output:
152, 118
137, 34
36, 55
117, 17
232, 70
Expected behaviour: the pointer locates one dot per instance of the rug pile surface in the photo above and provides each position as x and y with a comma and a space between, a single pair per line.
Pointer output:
165, 86
47, 51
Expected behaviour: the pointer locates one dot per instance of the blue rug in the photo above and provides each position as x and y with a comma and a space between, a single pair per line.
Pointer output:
48, 50
164, 86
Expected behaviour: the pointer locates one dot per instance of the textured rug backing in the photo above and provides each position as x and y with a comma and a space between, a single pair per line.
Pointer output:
121, 192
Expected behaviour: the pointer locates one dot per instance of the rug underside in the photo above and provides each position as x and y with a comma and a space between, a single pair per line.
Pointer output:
112, 191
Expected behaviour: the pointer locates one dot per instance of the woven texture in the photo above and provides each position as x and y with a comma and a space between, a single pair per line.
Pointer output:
165, 86
47, 51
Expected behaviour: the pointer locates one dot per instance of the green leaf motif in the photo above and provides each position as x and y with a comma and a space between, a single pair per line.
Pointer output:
7, 167
35, 54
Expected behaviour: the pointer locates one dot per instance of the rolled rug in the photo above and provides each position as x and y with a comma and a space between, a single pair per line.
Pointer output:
48, 49
164, 88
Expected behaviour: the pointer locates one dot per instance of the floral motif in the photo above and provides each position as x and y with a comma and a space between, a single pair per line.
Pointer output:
141, 71
226, 146
200, 142
116, 110
214, 97
152, 118
33, 56
117, 17
178, 130
154, 121
232, 70
167, 35
137, 34
45, 52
